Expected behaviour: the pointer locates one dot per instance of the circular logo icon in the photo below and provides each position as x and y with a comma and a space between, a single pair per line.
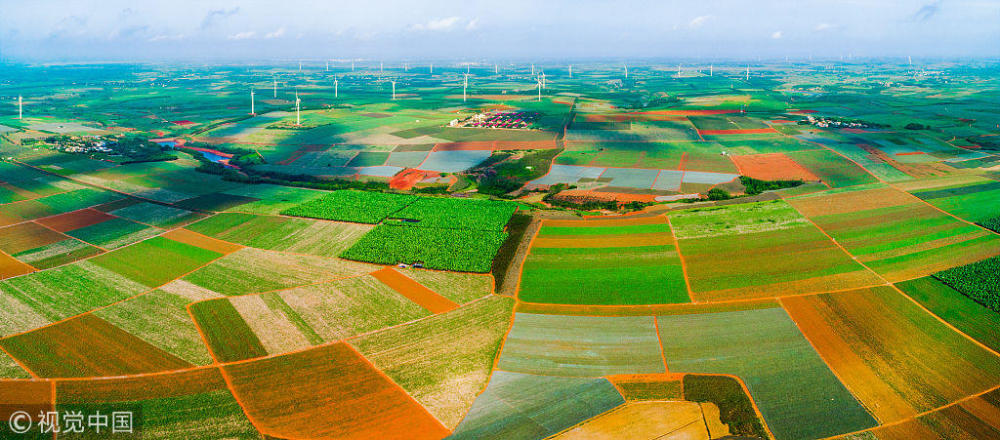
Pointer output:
20, 422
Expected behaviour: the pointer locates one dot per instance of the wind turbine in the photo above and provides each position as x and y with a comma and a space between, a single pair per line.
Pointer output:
20, 108
710, 70
336, 93
465, 87
496, 69
748, 72
393, 90
532, 69
327, 65
406, 67
678, 70
379, 67
352, 65
570, 70
543, 80
539, 91
432, 68
276, 87
298, 102
252, 112
626, 70
300, 65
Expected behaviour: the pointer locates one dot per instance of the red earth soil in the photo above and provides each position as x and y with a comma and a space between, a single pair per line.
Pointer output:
23, 395
737, 131
910, 153
203, 241
11, 267
609, 196
75, 220
802, 112
772, 166
182, 122
329, 392
406, 179
414, 291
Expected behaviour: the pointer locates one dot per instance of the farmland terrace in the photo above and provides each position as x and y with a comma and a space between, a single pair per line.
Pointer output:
806, 253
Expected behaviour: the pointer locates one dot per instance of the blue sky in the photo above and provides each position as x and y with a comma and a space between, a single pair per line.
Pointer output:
65, 30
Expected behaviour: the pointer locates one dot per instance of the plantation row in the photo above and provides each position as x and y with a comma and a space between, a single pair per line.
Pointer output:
374, 207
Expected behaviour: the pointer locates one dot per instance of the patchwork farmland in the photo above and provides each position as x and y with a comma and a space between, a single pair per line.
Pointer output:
696, 256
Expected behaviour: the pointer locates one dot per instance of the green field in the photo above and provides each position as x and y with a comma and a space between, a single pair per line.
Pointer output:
791, 384
444, 249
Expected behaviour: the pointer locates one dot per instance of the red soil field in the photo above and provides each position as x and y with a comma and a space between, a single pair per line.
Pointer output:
329, 392
772, 166
408, 178
627, 240
738, 131
88, 346
856, 130
26, 236
851, 201
119, 389
782, 121
11, 267
203, 241
414, 291
910, 153
24, 395
182, 122
801, 112
524, 145
627, 221
75, 220
609, 196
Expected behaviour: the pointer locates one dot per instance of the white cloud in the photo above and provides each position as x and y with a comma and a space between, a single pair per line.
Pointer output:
276, 34
698, 21
473, 24
823, 27
166, 38
439, 24
242, 35
776, 35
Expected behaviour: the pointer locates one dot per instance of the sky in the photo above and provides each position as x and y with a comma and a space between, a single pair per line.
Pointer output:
230, 30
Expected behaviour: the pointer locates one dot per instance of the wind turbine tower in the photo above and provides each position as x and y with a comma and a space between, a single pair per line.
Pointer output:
626, 70
543, 80
532, 69
327, 65
379, 67
252, 112
432, 68
298, 106
539, 90
570, 70
496, 69
710, 70
748, 72
336, 93
20, 108
352, 65
276, 87
300, 65
465, 88
394, 90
